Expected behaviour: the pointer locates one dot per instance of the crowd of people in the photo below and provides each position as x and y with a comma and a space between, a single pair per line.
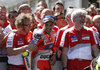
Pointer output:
56, 39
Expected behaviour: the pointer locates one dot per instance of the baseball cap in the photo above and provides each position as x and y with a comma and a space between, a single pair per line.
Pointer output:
48, 18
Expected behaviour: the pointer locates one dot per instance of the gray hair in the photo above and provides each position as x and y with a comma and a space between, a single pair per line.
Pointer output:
76, 13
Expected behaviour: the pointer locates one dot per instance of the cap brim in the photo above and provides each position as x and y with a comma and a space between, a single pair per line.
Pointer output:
48, 21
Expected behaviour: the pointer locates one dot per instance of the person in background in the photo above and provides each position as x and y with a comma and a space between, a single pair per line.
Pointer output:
58, 65
3, 53
88, 21
58, 7
96, 21
98, 11
44, 13
60, 20
12, 17
38, 15
17, 43
78, 43
92, 10
42, 3
3, 16
25, 8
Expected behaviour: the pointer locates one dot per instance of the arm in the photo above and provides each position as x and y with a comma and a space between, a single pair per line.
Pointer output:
95, 50
64, 57
53, 58
15, 51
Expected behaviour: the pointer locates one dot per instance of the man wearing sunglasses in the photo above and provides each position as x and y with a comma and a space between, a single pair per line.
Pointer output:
60, 19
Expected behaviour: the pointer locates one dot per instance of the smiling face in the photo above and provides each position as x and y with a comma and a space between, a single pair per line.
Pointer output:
60, 20
59, 8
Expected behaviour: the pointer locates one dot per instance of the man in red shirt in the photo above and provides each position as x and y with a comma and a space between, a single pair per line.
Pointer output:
3, 52
3, 16
78, 42
58, 7
45, 45
12, 15
96, 21
17, 42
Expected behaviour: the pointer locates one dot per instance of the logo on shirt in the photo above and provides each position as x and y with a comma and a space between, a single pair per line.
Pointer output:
20, 41
85, 37
48, 46
74, 38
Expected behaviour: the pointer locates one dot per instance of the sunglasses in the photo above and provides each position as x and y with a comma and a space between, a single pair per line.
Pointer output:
61, 19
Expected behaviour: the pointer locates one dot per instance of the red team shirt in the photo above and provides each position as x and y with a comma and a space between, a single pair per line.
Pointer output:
78, 42
45, 49
15, 40
59, 35
5, 24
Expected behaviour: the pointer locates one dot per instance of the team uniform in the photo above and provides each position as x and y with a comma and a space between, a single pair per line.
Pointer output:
97, 34
59, 35
45, 49
15, 40
6, 24
3, 52
8, 28
79, 47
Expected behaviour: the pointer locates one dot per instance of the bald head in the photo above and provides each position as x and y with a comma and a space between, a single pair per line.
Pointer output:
96, 20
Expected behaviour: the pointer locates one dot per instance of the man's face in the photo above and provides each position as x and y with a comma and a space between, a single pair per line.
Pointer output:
34, 24
12, 18
27, 26
48, 26
26, 9
60, 21
2, 13
45, 13
87, 22
59, 8
80, 20
97, 23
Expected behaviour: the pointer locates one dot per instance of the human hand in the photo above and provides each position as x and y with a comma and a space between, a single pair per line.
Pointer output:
53, 59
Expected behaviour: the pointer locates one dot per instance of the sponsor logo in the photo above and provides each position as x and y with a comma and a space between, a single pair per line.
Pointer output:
48, 46
74, 38
44, 56
85, 37
20, 41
